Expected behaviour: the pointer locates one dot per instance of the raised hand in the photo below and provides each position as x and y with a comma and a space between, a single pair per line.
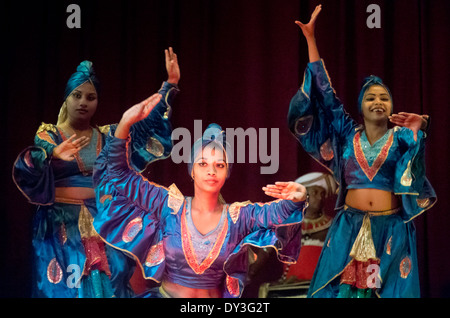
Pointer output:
286, 190
308, 29
70, 147
173, 69
412, 121
308, 32
135, 114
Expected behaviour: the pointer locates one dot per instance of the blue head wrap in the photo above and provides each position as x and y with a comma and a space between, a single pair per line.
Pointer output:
212, 134
368, 82
85, 73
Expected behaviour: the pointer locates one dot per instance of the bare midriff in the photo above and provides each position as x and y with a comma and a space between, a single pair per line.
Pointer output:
178, 291
371, 200
75, 193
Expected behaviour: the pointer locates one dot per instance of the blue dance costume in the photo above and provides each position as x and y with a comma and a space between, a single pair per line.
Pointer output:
372, 251
154, 225
69, 259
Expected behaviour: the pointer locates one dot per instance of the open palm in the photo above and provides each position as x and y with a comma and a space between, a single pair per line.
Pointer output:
140, 111
308, 29
172, 67
69, 148
286, 190
412, 121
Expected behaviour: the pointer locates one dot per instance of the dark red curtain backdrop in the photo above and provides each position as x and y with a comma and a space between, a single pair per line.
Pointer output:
241, 62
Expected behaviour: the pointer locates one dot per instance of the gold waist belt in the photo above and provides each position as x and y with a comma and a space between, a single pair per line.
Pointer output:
374, 213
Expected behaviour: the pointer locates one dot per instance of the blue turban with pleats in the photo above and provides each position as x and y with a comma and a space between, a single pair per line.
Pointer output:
85, 73
212, 134
367, 83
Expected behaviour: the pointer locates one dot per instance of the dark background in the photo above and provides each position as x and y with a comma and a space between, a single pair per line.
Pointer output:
241, 63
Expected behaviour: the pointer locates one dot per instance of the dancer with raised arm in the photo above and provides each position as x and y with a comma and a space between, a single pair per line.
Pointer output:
193, 246
69, 259
370, 249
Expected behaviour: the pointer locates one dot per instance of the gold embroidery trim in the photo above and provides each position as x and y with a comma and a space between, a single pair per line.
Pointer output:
406, 179
363, 248
235, 209
176, 199
104, 129
77, 156
46, 127
371, 171
85, 223
188, 247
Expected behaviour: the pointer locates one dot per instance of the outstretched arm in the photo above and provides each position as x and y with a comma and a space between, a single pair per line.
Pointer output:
308, 32
255, 216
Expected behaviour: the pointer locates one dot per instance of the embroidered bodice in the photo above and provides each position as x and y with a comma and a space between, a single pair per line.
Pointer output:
203, 243
85, 158
197, 254
371, 166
